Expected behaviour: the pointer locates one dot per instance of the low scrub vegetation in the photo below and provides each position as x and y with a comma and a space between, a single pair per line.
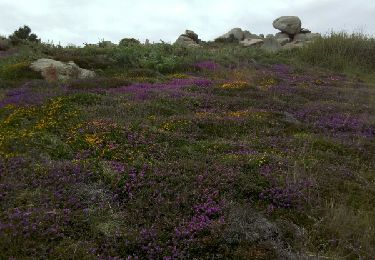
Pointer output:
179, 153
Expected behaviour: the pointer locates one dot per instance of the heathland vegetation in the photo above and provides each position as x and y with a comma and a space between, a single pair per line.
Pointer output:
172, 152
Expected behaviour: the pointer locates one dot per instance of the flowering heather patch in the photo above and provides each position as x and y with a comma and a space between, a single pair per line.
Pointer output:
156, 169
286, 197
25, 96
174, 88
326, 118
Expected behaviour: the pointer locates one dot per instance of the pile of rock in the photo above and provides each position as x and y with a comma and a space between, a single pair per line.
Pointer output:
291, 33
188, 39
237, 35
53, 70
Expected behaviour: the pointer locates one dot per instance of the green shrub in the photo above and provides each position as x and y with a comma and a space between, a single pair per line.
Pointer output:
143, 73
231, 39
86, 62
99, 83
18, 71
342, 52
23, 34
128, 42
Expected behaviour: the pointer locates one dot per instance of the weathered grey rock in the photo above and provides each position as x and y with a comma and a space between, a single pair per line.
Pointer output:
186, 41
53, 70
252, 42
249, 35
237, 33
192, 35
281, 35
306, 36
282, 38
283, 41
288, 24
248, 226
271, 44
293, 45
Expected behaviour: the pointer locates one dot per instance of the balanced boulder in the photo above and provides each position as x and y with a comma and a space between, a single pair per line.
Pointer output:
53, 70
288, 24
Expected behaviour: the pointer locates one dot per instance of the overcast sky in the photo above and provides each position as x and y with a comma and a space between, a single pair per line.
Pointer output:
80, 21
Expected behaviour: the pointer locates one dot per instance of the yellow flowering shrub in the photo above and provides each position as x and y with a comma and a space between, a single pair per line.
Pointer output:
235, 85
267, 82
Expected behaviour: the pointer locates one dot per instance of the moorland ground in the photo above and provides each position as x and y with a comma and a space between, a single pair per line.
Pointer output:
171, 152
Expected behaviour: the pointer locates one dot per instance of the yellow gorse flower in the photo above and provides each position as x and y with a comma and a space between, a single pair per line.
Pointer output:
268, 82
235, 85
93, 139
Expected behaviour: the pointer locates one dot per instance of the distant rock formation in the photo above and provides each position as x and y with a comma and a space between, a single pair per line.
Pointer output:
53, 70
236, 35
188, 39
292, 35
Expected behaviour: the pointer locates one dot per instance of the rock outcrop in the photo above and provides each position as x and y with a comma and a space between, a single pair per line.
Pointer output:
237, 34
53, 70
188, 39
271, 44
292, 35
282, 38
288, 24
303, 37
252, 42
